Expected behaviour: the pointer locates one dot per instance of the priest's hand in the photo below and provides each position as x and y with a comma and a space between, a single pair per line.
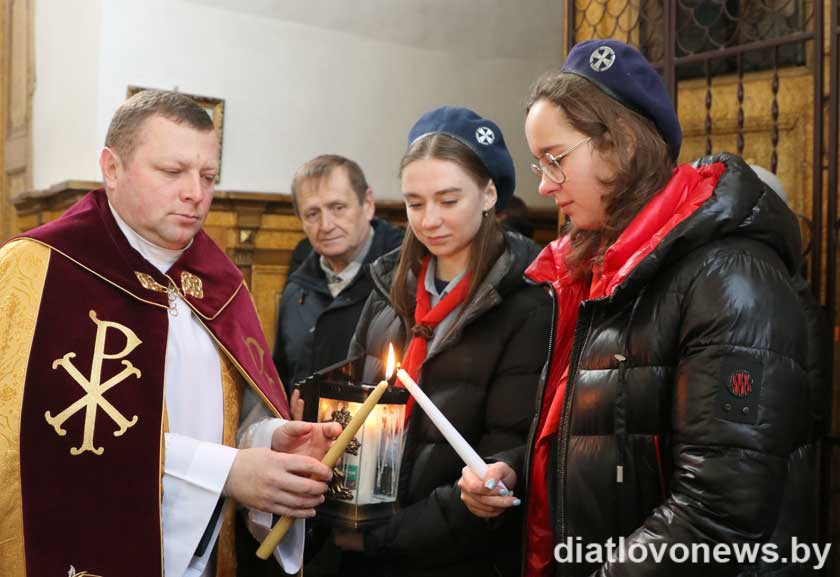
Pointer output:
277, 483
483, 497
296, 405
302, 438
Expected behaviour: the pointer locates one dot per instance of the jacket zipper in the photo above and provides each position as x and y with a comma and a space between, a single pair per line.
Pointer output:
659, 466
543, 380
564, 430
526, 471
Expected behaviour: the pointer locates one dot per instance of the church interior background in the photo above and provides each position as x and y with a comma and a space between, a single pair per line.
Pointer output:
756, 77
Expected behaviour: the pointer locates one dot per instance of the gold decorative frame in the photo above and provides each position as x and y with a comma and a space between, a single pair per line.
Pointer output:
215, 108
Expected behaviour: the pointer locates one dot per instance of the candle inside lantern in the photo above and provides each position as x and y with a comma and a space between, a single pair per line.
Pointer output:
367, 472
453, 437
336, 450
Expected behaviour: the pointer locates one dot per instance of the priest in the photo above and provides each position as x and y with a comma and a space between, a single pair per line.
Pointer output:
127, 339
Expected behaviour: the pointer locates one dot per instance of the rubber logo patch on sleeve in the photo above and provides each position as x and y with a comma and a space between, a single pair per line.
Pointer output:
740, 390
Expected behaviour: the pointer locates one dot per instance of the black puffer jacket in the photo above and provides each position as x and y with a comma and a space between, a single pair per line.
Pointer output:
653, 444
483, 376
313, 328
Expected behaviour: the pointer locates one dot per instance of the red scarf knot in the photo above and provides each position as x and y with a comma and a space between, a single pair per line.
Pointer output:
426, 319
424, 332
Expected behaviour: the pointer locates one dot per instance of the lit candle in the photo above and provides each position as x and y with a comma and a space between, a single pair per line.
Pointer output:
336, 450
453, 437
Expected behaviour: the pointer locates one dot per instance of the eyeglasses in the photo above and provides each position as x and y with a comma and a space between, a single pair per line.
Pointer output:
553, 170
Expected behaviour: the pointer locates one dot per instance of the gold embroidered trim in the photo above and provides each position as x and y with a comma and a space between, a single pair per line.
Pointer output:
23, 271
192, 285
221, 309
90, 270
148, 282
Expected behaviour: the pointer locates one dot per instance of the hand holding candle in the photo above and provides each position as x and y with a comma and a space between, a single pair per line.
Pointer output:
336, 450
455, 439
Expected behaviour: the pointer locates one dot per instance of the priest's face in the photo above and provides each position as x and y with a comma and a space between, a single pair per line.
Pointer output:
164, 188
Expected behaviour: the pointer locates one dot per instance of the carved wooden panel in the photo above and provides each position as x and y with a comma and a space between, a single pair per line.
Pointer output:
795, 126
18, 41
16, 102
267, 282
5, 203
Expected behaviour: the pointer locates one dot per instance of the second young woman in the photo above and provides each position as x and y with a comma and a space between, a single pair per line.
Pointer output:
473, 334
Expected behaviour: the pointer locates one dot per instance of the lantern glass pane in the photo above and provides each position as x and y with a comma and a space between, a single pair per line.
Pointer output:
371, 475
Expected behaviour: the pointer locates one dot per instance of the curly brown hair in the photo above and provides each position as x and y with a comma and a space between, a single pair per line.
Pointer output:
628, 141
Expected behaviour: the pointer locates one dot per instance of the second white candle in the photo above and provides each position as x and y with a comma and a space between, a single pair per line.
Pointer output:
453, 437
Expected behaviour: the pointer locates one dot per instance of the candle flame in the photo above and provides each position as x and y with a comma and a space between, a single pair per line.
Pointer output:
389, 368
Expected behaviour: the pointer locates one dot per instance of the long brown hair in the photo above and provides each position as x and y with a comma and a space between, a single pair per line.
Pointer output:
487, 244
627, 140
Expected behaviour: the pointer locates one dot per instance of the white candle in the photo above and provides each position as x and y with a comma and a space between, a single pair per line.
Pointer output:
453, 437
368, 457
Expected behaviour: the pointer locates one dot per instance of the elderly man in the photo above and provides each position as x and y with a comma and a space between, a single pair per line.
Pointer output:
323, 298
126, 341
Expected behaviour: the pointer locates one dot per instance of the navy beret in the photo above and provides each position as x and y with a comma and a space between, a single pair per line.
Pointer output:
480, 135
622, 72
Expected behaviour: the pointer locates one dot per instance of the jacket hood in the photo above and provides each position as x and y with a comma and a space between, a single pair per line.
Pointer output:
740, 205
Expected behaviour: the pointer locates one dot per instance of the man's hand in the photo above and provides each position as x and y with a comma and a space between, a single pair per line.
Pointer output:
482, 496
277, 483
296, 405
302, 438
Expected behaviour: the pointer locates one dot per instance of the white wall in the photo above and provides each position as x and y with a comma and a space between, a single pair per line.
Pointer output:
64, 105
291, 91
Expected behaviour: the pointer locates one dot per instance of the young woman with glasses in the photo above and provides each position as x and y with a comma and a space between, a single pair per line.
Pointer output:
677, 410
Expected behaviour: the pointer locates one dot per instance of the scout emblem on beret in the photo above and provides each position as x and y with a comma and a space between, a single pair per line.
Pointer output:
484, 135
602, 59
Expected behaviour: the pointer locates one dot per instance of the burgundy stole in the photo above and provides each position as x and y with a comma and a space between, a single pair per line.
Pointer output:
92, 414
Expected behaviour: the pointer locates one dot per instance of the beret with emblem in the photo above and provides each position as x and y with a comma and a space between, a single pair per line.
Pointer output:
622, 72
480, 135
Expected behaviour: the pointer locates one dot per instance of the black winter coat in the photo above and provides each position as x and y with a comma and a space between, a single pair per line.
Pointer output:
313, 328
483, 376
653, 444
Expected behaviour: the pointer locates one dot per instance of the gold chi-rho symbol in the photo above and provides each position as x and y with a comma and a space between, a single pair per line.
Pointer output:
94, 387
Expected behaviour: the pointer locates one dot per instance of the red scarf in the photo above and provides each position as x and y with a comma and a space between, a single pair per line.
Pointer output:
426, 319
685, 192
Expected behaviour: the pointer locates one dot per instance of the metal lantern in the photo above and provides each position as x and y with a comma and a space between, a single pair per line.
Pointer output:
363, 490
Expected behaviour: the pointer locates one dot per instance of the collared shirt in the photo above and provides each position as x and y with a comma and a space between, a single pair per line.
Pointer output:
197, 464
195, 413
435, 297
338, 281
